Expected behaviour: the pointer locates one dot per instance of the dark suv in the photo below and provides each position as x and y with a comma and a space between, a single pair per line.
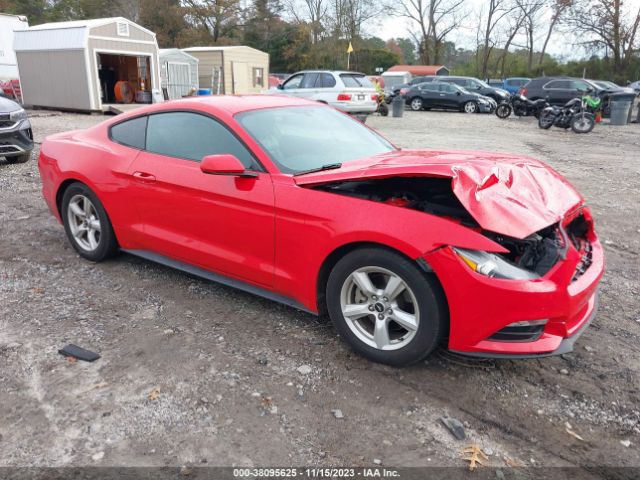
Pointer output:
558, 90
447, 96
16, 137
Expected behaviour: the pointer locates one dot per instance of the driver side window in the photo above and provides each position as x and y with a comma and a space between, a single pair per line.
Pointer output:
191, 136
293, 82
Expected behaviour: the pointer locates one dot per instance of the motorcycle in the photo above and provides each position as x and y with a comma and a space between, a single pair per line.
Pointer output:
574, 114
520, 106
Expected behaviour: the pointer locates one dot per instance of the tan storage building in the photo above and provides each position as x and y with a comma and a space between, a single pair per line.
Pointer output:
232, 70
76, 65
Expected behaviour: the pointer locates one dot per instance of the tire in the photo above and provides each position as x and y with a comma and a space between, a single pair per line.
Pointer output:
545, 120
419, 304
416, 104
83, 219
383, 109
470, 107
583, 123
503, 110
19, 158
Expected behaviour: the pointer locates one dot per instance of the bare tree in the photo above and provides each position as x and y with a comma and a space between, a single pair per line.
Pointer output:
311, 12
515, 23
531, 10
497, 10
220, 17
435, 19
558, 9
607, 25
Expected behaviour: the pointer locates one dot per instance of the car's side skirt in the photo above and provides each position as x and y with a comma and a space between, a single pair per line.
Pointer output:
215, 277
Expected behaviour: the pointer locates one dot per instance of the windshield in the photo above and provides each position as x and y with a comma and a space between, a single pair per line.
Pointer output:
298, 139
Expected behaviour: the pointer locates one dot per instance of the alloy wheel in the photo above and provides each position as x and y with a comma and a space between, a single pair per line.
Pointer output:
470, 107
84, 222
416, 104
380, 308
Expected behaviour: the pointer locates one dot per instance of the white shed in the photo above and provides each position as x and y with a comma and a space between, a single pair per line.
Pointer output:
8, 62
79, 65
178, 72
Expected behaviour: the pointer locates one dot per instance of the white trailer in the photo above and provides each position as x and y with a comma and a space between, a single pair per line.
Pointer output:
8, 62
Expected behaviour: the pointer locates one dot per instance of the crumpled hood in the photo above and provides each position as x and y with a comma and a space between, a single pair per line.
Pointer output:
510, 195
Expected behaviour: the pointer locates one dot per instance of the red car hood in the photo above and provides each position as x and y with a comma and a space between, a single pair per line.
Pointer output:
514, 196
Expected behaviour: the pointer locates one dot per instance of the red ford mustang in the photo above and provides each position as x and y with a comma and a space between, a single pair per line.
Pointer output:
292, 200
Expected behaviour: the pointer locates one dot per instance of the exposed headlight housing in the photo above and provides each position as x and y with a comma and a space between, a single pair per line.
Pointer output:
493, 266
18, 115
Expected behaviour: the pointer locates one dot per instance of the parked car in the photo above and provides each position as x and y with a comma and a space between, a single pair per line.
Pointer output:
514, 84
402, 88
350, 92
477, 86
611, 87
635, 86
16, 137
447, 96
558, 90
295, 201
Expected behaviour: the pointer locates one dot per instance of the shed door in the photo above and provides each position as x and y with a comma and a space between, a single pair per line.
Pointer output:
241, 77
178, 79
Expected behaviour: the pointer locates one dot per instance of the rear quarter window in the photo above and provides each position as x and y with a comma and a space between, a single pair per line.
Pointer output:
132, 133
356, 81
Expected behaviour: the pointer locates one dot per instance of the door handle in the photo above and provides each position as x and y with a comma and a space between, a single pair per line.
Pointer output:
144, 177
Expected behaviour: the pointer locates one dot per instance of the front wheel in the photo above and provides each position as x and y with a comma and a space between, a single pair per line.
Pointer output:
384, 307
503, 110
86, 223
583, 123
470, 107
416, 104
546, 120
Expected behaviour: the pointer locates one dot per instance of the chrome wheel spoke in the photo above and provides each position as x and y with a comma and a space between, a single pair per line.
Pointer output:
405, 320
76, 209
93, 241
362, 280
94, 224
356, 310
394, 287
381, 334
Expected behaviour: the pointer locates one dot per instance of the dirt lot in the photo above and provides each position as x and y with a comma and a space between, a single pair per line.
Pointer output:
226, 363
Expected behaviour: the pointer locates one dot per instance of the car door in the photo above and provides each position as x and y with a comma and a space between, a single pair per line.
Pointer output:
559, 92
310, 86
429, 94
326, 85
218, 222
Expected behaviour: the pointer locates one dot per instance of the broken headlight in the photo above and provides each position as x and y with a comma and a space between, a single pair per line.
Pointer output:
492, 265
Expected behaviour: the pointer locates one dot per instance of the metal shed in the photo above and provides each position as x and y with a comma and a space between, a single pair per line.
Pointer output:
232, 69
178, 72
76, 65
8, 63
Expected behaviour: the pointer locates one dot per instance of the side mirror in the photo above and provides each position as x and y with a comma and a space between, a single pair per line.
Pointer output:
280, 86
458, 93
224, 164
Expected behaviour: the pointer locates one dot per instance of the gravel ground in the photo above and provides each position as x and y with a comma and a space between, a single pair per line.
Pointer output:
194, 373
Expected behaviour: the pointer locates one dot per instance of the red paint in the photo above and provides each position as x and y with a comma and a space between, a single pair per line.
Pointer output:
274, 231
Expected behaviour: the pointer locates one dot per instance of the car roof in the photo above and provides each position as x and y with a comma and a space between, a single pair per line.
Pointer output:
337, 72
231, 104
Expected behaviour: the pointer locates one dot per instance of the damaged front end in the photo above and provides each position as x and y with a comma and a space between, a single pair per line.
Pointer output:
525, 258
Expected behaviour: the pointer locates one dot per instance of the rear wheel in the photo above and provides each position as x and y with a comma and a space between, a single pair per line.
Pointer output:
383, 109
416, 104
470, 107
19, 158
384, 307
86, 223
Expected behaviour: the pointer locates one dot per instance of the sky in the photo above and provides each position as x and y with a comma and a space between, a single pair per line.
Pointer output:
563, 45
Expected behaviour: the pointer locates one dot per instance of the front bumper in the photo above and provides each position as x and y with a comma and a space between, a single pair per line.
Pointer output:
15, 139
488, 107
481, 306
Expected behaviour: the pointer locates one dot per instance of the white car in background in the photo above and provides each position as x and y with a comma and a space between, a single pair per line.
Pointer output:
350, 92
